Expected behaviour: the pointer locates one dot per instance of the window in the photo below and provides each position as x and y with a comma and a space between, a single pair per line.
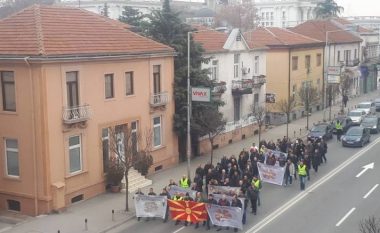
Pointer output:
108, 86
338, 57
294, 63
319, 59
347, 55
236, 65
134, 136
214, 70
72, 88
75, 154
307, 61
156, 79
355, 54
271, 15
283, 15
14, 205
237, 109
106, 149
129, 83
11, 157
8, 90
266, 15
157, 138
294, 90
238, 37
257, 64
256, 99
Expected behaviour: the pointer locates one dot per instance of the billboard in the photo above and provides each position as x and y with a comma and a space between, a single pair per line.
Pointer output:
201, 94
333, 79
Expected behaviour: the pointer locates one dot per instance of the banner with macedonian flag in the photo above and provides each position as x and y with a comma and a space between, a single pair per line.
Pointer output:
189, 211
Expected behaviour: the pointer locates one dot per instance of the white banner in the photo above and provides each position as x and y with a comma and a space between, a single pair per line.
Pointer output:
150, 206
229, 191
174, 189
271, 174
225, 216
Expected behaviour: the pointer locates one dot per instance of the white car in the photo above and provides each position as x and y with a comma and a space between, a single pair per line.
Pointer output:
356, 116
367, 107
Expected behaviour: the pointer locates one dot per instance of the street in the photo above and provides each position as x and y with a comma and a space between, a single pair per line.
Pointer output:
335, 192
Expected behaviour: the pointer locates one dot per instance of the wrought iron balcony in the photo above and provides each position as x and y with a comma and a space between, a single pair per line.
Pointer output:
219, 88
241, 87
76, 114
351, 63
159, 99
259, 80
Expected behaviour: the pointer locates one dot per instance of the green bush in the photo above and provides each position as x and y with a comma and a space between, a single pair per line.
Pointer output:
143, 161
115, 171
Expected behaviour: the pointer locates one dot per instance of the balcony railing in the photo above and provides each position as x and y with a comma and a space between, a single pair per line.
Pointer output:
351, 63
219, 88
76, 114
259, 80
159, 99
241, 87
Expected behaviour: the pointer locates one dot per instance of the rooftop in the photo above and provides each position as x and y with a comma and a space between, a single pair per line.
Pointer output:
212, 41
54, 31
317, 29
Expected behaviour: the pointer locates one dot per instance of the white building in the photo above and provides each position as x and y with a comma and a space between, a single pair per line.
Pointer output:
240, 72
284, 13
370, 22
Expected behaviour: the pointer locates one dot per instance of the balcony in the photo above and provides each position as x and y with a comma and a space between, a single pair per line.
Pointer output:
219, 88
258, 81
72, 115
160, 99
351, 63
242, 87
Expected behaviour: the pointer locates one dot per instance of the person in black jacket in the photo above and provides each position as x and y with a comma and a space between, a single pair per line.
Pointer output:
252, 196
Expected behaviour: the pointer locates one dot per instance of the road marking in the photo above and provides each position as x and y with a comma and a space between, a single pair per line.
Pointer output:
301, 195
180, 229
5, 229
345, 216
370, 191
365, 168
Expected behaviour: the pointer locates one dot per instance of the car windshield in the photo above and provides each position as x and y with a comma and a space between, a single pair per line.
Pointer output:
319, 128
371, 120
354, 114
355, 132
364, 106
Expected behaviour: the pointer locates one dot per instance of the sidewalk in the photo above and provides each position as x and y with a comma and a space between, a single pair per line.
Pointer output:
98, 210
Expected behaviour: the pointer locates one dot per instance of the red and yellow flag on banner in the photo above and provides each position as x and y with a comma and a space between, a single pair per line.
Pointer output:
189, 211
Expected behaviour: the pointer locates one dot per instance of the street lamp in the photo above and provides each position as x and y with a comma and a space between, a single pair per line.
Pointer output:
326, 71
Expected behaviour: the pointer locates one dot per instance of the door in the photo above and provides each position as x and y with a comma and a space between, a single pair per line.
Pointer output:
72, 89
236, 108
156, 79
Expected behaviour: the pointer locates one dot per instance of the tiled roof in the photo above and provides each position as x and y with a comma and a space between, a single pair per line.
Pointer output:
277, 37
212, 41
64, 31
317, 29
358, 28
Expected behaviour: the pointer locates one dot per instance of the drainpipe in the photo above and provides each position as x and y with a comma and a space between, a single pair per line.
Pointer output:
33, 138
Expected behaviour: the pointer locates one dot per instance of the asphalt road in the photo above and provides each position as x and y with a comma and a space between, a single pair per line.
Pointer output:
330, 195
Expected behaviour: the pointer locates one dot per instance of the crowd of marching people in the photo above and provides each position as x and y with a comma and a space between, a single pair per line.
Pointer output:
298, 157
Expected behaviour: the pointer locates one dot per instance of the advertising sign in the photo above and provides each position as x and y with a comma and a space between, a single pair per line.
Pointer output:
200, 94
334, 70
333, 79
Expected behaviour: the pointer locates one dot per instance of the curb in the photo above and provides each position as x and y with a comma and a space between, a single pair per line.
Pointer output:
111, 227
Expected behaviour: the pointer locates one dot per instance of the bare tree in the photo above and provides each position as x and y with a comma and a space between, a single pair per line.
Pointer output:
259, 113
287, 106
370, 225
309, 96
125, 144
241, 16
210, 123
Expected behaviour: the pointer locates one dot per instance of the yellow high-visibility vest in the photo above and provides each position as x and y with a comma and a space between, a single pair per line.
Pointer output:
184, 183
302, 170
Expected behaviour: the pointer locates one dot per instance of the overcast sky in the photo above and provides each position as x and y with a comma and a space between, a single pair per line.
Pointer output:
360, 7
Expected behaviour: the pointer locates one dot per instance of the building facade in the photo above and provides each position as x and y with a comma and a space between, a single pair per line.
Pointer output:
240, 74
293, 61
288, 13
60, 96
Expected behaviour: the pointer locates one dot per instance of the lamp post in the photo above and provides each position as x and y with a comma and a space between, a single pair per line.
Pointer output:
326, 71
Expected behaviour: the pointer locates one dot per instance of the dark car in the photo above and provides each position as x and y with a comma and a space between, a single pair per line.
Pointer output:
356, 136
377, 104
372, 123
346, 123
320, 131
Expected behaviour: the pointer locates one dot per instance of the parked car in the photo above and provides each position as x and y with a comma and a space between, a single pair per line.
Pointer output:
356, 116
368, 107
319, 131
345, 121
377, 104
372, 123
356, 136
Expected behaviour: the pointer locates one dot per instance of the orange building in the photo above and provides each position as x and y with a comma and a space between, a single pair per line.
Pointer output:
66, 75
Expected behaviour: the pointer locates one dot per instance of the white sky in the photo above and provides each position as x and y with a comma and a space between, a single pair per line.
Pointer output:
360, 7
